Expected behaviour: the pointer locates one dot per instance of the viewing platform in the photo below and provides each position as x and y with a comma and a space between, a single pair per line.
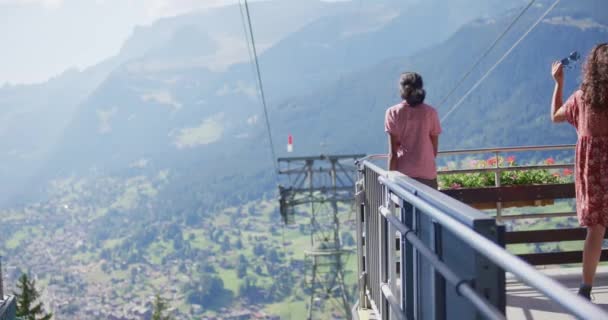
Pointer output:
524, 302
429, 254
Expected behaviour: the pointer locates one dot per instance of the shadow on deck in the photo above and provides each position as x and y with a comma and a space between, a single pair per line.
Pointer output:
526, 303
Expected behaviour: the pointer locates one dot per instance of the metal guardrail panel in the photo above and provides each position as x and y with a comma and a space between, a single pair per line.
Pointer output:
8, 308
451, 259
513, 193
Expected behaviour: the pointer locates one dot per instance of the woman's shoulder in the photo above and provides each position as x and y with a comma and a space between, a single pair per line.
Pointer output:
575, 99
428, 108
395, 109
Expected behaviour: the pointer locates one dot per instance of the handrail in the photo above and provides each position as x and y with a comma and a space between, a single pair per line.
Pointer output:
509, 149
405, 188
496, 151
497, 169
7, 307
485, 150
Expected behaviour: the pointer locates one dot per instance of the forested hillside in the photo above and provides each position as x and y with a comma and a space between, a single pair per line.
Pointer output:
151, 172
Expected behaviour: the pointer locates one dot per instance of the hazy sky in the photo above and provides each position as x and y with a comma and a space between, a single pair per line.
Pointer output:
42, 38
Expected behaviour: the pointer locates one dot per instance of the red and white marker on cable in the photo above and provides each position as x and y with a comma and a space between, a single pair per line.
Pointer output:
290, 143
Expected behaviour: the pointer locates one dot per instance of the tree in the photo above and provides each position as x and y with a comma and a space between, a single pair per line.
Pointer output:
258, 270
241, 270
225, 243
208, 291
259, 249
273, 255
27, 308
248, 289
242, 266
160, 307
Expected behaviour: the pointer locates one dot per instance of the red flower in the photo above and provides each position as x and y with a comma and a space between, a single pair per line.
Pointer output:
511, 160
567, 172
550, 161
556, 175
492, 161
456, 185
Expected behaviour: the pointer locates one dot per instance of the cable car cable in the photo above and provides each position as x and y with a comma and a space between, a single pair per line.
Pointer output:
253, 58
485, 54
260, 87
261, 91
250, 54
499, 61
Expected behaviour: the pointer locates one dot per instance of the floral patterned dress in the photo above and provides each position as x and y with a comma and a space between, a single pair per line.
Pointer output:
591, 160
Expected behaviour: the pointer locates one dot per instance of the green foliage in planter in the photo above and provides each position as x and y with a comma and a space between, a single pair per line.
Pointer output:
515, 177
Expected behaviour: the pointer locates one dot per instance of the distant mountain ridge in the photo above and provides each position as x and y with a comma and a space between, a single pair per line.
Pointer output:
33, 118
311, 58
509, 108
160, 108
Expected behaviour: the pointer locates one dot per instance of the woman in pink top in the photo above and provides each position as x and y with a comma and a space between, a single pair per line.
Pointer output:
587, 111
413, 132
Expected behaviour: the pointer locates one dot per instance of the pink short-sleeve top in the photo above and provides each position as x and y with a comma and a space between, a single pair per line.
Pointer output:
413, 128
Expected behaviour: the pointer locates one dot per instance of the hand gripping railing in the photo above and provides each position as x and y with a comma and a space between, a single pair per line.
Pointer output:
443, 245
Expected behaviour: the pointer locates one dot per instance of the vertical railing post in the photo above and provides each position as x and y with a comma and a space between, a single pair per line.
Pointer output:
361, 241
373, 191
438, 280
498, 183
384, 255
407, 264
392, 261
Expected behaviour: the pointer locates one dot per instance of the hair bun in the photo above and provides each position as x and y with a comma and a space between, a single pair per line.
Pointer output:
411, 88
416, 97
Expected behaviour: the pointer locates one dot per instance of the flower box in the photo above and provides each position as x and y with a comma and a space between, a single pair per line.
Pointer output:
519, 187
513, 196
512, 204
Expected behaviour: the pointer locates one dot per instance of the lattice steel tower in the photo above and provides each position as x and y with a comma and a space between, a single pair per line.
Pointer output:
322, 182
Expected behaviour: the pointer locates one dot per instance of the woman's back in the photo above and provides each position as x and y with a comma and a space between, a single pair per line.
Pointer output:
413, 128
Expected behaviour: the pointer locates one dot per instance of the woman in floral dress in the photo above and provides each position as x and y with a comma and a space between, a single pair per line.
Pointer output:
587, 111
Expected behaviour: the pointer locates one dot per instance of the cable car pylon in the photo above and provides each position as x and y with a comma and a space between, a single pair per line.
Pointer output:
321, 183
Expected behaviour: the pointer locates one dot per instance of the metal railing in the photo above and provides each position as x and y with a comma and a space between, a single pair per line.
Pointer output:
449, 260
8, 307
498, 169
501, 196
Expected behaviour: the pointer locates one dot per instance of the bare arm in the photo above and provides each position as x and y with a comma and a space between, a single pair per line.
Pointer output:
558, 113
435, 142
392, 152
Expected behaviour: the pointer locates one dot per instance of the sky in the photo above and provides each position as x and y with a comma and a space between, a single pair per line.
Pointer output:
40, 39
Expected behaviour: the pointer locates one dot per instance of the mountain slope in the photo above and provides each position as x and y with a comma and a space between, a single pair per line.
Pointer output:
184, 114
509, 108
33, 118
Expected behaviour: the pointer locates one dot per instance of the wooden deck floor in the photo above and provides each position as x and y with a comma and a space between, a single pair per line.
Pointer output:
526, 303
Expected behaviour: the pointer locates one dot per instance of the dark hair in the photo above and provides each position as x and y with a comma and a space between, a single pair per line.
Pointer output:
411, 85
595, 78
